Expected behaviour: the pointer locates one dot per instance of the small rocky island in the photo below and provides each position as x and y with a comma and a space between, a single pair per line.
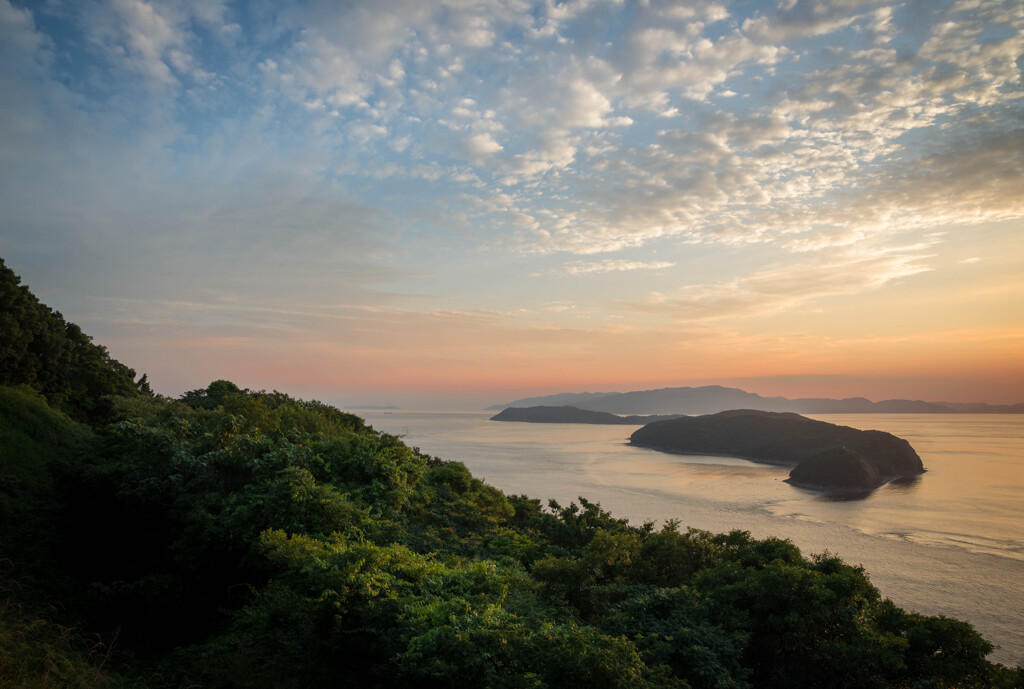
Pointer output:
823, 455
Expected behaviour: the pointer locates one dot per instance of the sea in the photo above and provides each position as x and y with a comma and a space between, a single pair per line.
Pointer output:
949, 543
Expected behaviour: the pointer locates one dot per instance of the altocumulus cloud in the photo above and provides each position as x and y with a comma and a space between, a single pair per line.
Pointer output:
608, 266
324, 151
834, 272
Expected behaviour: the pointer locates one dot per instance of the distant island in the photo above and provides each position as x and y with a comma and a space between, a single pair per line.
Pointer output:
575, 399
372, 407
711, 399
569, 414
823, 455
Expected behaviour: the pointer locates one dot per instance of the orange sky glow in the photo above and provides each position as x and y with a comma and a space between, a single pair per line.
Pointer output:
457, 204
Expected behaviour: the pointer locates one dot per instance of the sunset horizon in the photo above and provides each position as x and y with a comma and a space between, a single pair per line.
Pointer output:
452, 205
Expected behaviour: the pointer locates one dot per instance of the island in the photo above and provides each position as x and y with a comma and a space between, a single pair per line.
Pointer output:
570, 414
824, 456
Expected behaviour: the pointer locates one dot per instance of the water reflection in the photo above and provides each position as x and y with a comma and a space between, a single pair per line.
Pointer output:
847, 496
905, 484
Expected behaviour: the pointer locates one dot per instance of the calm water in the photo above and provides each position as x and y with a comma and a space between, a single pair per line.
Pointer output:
950, 543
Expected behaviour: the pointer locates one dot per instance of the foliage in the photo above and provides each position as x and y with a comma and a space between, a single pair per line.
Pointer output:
40, 349
37, 445
672, 628
273, 411
242, 538
38, 653
271, 542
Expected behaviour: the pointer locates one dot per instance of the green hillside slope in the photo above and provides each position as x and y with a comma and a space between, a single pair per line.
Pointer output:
247, 539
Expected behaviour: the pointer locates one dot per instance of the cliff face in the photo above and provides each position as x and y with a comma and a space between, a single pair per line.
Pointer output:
824, 455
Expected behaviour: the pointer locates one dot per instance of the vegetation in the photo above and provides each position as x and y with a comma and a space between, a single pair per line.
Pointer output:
244, 539
40, 349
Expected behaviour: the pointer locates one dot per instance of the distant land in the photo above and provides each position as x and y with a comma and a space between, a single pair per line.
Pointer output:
711, 399
824, 456
569, 414
371, 407
575, 399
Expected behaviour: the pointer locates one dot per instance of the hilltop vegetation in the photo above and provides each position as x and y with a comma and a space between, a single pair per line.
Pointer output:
248, 539
40, 349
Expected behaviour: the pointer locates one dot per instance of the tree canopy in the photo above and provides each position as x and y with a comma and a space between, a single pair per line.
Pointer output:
40, 349
244, 539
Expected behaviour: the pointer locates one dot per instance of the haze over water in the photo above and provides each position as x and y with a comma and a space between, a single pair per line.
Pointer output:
951, 542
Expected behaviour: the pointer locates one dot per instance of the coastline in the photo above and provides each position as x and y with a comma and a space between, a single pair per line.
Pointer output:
917, 539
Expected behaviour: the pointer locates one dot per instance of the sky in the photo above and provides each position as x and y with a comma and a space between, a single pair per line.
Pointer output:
457, 203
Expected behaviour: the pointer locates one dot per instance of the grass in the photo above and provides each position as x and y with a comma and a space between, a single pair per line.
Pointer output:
39, 653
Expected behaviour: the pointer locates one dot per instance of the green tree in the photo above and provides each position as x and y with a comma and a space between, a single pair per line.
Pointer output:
40, 349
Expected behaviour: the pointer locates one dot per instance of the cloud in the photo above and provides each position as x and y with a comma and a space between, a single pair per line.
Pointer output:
482, 145
782, 287
845, 150
608, 266
154, 41
314, 149
563, 110
19, 32
806, 18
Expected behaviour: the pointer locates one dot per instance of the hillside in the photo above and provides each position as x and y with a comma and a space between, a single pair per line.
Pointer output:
38, 348
241, 539
824, 455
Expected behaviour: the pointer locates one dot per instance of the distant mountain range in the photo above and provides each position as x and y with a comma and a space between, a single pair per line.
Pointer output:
711, 399
569, 414
572, 399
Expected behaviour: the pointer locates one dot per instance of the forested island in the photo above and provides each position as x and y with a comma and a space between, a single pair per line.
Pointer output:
824, 455
233, 538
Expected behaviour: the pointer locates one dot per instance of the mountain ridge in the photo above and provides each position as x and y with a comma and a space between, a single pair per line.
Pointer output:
711, 399
570, 414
